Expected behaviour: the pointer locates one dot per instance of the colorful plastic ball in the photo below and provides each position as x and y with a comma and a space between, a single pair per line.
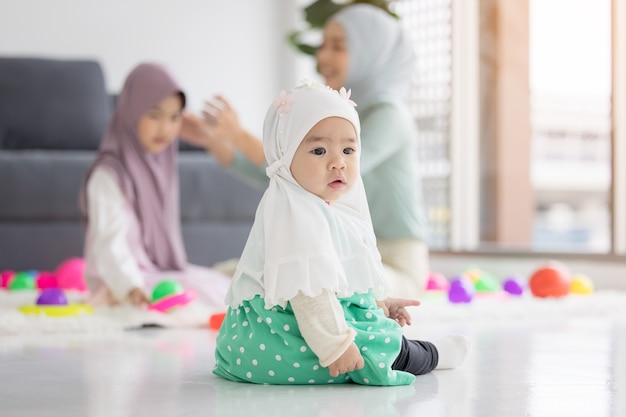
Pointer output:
5, 278
46, 279
552, 280
168, 295
437, 282
70, 274
514, 285
487, 283
216, 320
22, 281
166, 288
461, 290
473, 273
581, 284
52, 297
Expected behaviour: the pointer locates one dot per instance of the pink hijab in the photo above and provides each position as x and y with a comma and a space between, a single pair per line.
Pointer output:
149, 181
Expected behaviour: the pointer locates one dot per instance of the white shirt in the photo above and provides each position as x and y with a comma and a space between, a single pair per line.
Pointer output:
114, 255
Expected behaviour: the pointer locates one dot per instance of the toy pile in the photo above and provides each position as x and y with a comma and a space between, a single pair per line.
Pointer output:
550, 280
51, 288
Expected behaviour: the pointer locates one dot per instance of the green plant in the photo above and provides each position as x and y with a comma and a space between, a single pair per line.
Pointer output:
318, 12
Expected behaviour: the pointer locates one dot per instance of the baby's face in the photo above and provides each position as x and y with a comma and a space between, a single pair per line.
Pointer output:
158, 128
327, 161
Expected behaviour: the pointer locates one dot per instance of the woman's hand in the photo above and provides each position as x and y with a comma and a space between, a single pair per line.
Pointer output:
394, 308
223, 120
351, 360
198, 132
222, 123
194, 130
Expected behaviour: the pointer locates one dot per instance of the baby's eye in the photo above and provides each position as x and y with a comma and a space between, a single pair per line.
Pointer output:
319, 151
348, 151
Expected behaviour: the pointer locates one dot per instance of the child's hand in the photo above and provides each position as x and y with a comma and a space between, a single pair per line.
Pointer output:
394, 308
351, 360
138, 298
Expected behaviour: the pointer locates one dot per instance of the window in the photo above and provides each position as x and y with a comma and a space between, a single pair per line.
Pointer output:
521, 123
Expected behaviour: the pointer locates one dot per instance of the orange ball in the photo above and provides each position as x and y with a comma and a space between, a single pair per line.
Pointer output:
215, 321
550, 281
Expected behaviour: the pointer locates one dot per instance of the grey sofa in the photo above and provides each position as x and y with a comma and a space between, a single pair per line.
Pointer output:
52, 115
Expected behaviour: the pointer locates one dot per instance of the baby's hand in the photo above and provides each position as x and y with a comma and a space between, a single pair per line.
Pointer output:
395, 309
351, 360
138, 297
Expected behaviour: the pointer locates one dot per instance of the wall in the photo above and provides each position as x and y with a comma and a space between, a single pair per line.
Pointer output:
234, 47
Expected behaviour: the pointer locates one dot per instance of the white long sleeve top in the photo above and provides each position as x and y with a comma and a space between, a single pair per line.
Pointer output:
323, 326
114, 255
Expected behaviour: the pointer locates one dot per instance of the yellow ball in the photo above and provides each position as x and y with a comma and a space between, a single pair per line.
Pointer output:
581, 284
473, 273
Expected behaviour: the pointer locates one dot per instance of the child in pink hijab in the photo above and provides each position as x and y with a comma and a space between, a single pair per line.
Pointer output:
130, 200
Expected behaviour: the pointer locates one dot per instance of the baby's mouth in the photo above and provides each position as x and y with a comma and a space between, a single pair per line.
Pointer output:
337, 183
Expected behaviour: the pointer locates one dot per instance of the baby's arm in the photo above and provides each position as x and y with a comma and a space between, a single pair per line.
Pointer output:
322, 324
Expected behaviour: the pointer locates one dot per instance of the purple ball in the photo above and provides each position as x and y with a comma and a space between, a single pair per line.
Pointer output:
52, 297
461, 290
514, 286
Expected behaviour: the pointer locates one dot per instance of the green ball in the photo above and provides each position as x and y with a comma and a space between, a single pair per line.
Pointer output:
166, 288
22, 281
487, 283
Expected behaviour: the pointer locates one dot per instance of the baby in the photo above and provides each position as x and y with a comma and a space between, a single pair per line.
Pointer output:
308, 303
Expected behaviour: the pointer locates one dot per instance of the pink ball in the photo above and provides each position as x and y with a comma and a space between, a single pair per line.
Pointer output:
5, 277
437, 282
46, 280
70, 274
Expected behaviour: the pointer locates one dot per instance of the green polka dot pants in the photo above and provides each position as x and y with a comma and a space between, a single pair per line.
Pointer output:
265, 346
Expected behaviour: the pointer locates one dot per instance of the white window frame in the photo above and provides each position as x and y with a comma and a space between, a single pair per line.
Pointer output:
465, 128
618, 188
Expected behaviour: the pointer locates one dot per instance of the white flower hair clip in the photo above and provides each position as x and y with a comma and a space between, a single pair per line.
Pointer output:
307, 84
346, 96
282, 103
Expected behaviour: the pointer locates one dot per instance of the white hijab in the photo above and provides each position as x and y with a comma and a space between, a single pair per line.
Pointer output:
381, 57
299, 242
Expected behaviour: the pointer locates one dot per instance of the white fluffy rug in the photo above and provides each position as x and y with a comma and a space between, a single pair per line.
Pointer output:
502, 307
103, 319
433, 309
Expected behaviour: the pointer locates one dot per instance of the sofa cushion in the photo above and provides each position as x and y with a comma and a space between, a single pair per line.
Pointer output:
52, 104
42, 186
210, 192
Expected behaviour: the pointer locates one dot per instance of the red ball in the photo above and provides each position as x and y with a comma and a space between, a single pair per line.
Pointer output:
551, 280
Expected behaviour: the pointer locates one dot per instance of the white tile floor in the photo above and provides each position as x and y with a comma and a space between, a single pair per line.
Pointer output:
531, 368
